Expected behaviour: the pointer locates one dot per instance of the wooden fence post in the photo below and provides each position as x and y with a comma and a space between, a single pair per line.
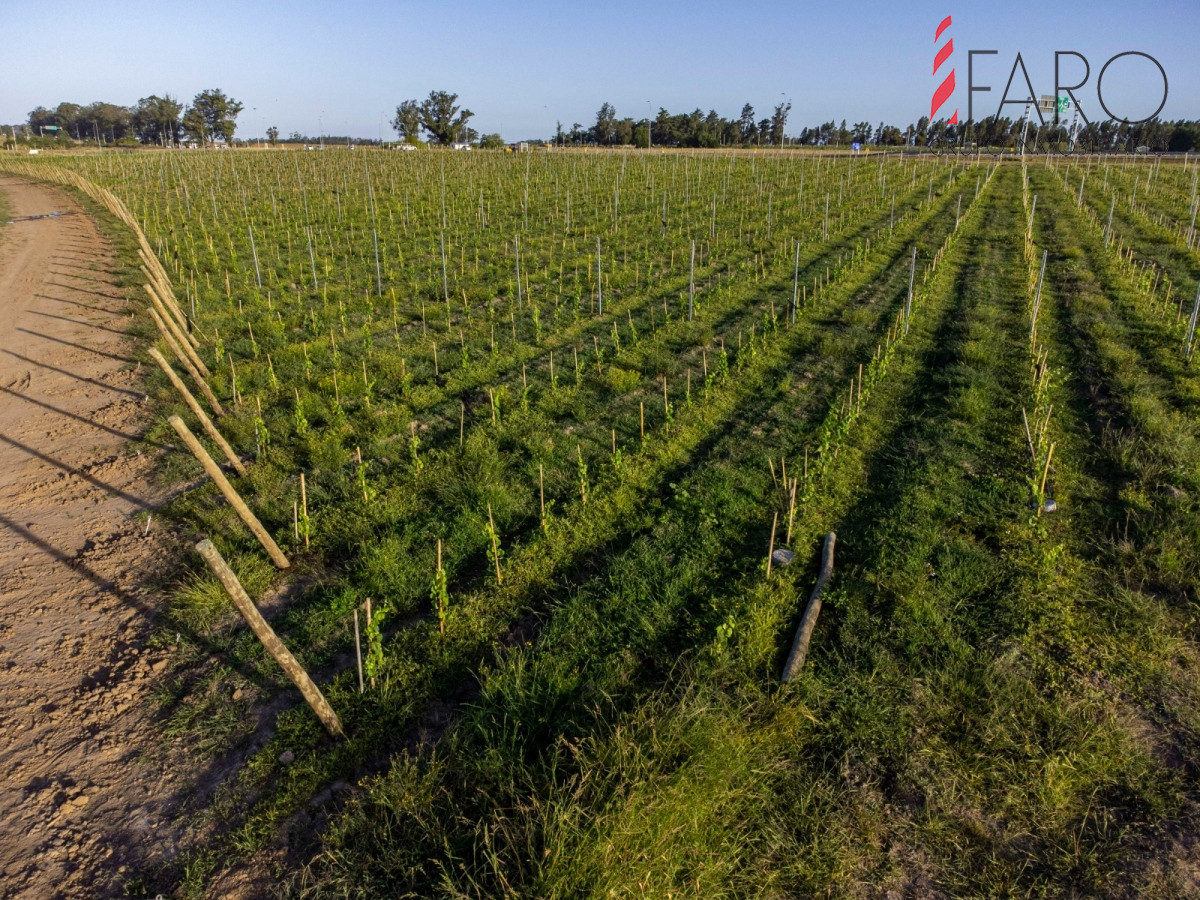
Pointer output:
270, 640
804, 632
199, 412
186, 362
239, 505
157, 304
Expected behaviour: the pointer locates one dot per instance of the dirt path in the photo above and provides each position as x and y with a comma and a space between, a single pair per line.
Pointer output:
79, 802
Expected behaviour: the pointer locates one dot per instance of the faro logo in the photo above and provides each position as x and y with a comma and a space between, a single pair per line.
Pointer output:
1062, 92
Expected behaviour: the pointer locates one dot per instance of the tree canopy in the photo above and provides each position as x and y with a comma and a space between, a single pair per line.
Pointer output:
438, 115
194, 126
212, 115
156, 120
605, 130
105, 122
442, 119
408, 121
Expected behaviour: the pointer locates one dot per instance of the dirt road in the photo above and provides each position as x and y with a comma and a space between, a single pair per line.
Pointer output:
80, 801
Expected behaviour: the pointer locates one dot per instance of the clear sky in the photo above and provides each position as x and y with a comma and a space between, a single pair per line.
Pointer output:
342, 66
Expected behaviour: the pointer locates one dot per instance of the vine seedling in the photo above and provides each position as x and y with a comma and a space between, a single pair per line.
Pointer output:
439, 593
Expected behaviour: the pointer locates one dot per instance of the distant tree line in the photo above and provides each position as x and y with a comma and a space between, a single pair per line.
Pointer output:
701, 129
211, 117
694, 129
1157, 135
329, 140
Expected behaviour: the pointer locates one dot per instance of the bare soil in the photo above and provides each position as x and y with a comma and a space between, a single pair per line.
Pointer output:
83, 799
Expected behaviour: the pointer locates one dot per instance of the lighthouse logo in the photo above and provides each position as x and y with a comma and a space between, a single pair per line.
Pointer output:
946, 88
1064, 96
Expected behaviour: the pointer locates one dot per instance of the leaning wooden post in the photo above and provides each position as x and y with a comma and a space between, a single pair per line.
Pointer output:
180, 336
199, 412
270, 640
239, 505
168, 300
804, 633
186, 361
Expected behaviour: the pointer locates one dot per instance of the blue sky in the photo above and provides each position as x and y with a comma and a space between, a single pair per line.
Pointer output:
342, 67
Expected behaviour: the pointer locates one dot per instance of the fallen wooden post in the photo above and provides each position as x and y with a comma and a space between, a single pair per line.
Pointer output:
804, 632
239, 505
270, 640
198, 411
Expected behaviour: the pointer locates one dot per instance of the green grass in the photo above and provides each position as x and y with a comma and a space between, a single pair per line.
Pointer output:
996, 703
938, 741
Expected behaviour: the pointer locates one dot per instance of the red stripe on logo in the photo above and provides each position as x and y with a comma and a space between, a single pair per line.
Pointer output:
942, 94
942, 54
945, 24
